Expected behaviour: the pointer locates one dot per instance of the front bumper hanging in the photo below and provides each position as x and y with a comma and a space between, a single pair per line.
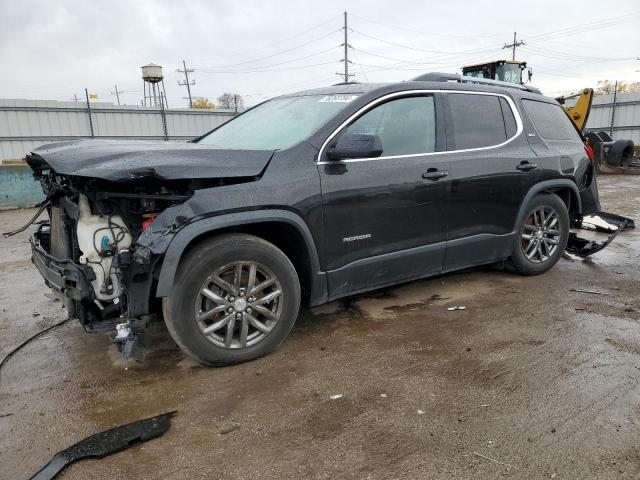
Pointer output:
64, 276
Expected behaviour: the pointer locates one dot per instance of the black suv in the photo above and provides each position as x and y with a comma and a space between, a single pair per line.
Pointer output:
306, 198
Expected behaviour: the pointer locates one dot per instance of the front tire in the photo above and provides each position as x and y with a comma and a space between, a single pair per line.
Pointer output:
542, 236
235, 298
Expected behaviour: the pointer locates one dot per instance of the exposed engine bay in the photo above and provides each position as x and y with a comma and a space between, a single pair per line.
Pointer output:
96, 225
87, 249
102, 237
114, 207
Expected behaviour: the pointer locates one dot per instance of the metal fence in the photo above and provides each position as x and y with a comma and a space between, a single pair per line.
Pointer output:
26, 124
618, 114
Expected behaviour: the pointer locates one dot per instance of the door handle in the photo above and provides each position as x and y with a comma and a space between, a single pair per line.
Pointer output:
434, 174
526, 166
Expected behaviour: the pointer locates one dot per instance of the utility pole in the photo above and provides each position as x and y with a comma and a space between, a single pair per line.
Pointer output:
86, 94
514, 45
117, 93
187, 82
613, 107
346, 46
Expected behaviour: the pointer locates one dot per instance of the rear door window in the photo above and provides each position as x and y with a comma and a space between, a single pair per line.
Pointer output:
476, 120
551, 121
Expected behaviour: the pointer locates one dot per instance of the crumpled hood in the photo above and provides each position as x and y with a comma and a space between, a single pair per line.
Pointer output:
117, 160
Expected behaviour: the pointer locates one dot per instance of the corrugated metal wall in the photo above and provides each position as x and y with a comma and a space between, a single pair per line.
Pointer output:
26, 124
626, 124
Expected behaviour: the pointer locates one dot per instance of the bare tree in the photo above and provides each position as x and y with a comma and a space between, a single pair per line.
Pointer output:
231, 101
607, 86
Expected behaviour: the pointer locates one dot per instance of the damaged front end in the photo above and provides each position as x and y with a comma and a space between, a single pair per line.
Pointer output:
102, 248
87, 251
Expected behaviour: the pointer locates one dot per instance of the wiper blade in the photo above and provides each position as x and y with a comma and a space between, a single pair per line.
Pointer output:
106, 443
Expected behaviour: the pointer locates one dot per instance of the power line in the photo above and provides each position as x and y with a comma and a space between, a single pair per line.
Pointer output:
315, 54
187, 82
424, 61
277, 42
586, 27
364, 74
435, 60
408, 47
273, 54
424, 33
400, 65
569, 56
269, 70
582, 48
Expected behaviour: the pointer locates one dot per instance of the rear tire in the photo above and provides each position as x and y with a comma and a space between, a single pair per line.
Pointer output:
542, 235
235, 298
620, 153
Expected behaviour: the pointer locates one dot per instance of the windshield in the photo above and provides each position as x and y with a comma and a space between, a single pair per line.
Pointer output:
277, 124
509, 72
474, 73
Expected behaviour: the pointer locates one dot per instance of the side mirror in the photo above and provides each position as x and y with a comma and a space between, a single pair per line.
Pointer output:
356, 145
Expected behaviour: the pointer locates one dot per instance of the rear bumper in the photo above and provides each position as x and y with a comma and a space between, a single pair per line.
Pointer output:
64, 276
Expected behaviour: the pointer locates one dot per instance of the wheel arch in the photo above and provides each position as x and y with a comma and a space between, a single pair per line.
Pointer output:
564, 188
285, 229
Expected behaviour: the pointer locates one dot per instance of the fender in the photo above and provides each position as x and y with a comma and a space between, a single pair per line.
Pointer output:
542, 186
177, 247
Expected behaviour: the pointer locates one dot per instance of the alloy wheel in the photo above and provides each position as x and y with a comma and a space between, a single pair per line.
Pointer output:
239, 305
540, 235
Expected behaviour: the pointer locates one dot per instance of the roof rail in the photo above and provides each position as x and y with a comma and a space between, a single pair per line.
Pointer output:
456, 77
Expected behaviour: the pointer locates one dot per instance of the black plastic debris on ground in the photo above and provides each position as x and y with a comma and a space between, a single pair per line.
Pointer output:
583, 247
107, 443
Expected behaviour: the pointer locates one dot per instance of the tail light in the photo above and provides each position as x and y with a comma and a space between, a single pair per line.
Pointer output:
589, 150
148, 221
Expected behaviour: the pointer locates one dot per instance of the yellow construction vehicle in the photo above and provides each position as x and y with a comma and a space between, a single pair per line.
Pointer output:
503, 70
610, 156
579, 111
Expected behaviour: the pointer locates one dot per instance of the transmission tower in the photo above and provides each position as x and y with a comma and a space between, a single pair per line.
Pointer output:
346, 46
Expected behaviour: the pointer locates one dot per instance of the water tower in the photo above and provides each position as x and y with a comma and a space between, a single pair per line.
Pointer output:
152, 79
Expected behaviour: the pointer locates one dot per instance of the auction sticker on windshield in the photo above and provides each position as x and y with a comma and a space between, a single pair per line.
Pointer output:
338, 98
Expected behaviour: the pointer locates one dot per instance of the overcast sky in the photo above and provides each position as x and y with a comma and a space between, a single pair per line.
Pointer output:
259, 49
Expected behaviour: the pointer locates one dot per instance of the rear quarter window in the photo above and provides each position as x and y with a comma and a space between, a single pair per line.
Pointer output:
551, 121
509, 120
